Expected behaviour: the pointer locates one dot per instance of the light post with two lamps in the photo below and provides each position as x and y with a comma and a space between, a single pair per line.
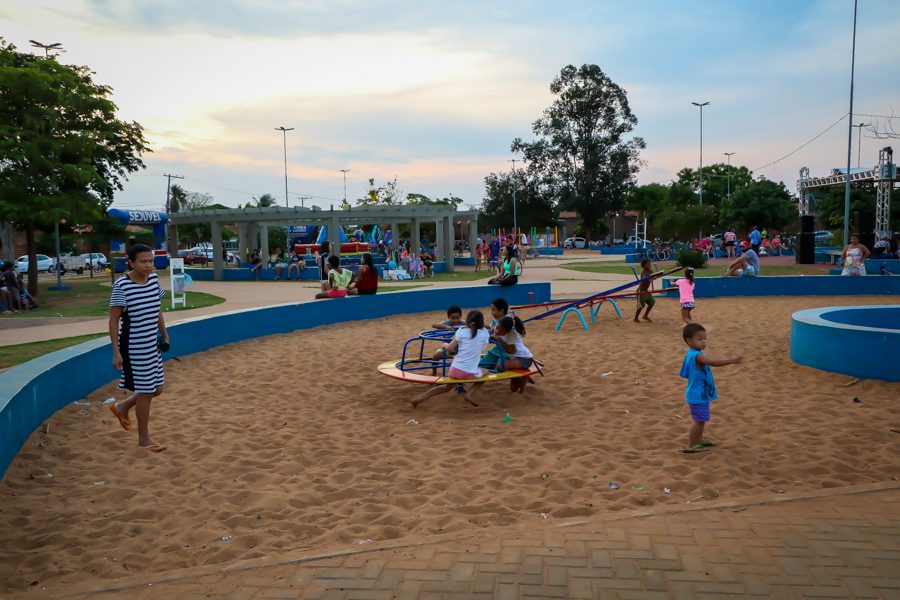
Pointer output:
729, 155
701, 105
284, 131
344, 172
59, 286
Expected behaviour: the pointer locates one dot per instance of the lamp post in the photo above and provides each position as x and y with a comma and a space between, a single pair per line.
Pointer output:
859, 141
515, 218
59, 286
729, 155
284, 131
701, 105
345, 171
850, 132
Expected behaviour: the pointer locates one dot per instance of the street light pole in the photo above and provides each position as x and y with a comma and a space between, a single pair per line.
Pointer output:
59, 286
850, 132
515, 217
859, 142
729, 155
701, 105
284, 131
345, 171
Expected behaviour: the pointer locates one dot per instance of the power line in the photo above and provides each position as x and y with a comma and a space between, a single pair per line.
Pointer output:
830, 127
876, 116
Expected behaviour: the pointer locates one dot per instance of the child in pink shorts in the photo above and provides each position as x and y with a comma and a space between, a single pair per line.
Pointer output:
469, 343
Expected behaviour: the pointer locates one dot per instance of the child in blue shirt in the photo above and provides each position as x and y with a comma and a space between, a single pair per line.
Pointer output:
701, 387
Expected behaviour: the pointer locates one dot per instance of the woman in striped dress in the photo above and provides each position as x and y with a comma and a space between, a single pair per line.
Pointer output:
134, 319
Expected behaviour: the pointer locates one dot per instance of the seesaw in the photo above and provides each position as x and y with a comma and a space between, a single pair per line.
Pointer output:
417, 367
594, 301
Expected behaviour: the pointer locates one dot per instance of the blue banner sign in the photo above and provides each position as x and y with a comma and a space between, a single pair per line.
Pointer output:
137, 217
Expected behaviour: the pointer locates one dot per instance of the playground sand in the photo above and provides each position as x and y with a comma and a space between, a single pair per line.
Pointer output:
293, 442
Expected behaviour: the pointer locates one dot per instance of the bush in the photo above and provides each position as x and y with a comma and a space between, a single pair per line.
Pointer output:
690, 258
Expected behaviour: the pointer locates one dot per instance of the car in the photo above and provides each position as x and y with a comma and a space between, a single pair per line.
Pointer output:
823, 237
97, 260
208, 253
575, 242
44, 263
637, 241
191, 257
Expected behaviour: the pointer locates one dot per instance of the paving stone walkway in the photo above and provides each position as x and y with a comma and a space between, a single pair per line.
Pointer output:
842, 544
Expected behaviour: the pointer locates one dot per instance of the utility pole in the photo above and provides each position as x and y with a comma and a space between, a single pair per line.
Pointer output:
302, 199
700, 105
172, 251
846, 239
345, 171
859, 142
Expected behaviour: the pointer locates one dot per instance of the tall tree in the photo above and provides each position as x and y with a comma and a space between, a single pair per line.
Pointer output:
533, 208
387, 194
422, 199
581, 152
716, 182
763, 203
63, 152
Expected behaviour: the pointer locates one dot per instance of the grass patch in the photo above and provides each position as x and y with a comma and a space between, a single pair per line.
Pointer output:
11, 356
708, 271
90, 298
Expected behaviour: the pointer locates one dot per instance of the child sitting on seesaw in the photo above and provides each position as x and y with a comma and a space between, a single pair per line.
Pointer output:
468, 342
701, 388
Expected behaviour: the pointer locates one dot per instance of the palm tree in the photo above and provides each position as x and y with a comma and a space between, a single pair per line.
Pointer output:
265, 201
177, 197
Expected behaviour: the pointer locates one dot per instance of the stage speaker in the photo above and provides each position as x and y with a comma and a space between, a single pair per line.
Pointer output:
807, 224
865, 227
805, 252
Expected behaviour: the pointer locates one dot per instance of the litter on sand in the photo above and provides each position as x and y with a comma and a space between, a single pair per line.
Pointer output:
365, 541
853, 381
856, 400
507, 418
543, 515
225, 538
79, 403
667, 490
613, 485
412, 422
109, 401
606, 374
639, 488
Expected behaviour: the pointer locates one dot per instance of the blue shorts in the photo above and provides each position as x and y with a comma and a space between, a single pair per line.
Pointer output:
700, 412
750, 271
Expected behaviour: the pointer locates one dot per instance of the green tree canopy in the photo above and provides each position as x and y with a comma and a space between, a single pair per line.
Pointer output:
716, 181
63, 152
763, 203
580, 152
533, 208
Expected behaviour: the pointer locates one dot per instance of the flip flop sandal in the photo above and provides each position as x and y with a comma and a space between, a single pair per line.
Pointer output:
694, 449
124, 422
154, 448
707, 444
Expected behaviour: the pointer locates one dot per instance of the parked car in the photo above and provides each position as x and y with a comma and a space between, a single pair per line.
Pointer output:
637, 241
208, 253
96, 260
44, 263
824, 238
191, 257
575, 242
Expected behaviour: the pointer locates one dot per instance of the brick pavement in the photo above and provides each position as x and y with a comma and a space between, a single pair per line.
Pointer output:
842, 544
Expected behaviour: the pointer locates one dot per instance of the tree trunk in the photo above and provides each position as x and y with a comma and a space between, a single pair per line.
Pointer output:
31, 250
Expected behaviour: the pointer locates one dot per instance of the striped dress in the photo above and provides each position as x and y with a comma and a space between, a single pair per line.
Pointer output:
142, 367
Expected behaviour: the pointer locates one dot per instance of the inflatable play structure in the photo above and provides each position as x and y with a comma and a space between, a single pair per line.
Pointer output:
154, 220
861, 341
417, 366
348, 246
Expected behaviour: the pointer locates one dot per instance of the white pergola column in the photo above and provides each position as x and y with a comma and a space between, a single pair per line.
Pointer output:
218, 263
448, 242
438, 241
415, 236
264, 244
334, 238
473, 236
242, 242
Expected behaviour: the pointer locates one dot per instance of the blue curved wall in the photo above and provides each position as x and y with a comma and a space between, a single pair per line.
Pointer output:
862, 341
31, 392
789, 285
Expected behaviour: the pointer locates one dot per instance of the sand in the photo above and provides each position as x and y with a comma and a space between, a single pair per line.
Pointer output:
293, 442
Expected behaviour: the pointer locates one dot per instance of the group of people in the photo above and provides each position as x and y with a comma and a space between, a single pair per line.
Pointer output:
14, 295
760, 241
339, 282
505, 257
467, 349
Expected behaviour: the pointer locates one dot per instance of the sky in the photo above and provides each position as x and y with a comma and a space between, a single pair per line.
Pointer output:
433, 93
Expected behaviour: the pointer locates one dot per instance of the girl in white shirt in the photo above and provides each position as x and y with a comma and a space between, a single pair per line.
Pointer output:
468, 342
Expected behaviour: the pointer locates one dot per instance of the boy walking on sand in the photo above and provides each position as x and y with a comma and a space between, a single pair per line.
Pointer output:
701, 388
645, 299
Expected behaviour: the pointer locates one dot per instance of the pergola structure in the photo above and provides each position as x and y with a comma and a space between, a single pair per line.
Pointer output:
253, 222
